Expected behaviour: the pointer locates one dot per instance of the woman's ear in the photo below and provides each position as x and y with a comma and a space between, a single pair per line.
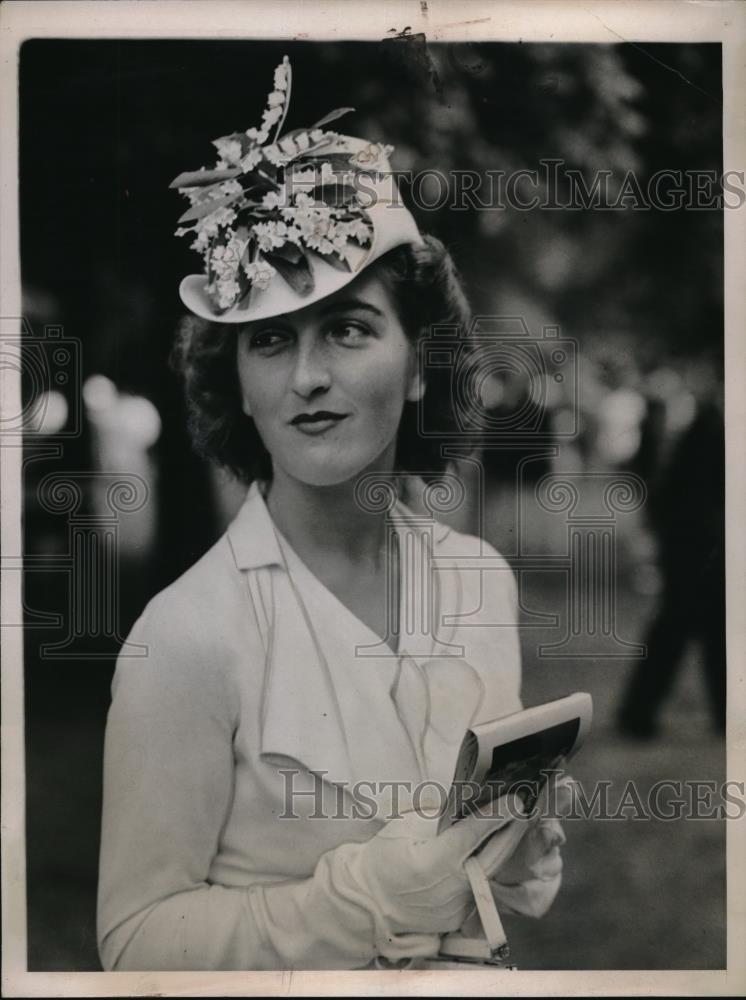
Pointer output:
416, 388
240, 361
416, 384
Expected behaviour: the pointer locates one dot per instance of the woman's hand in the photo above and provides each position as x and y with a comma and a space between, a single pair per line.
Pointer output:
413, 879
528, 882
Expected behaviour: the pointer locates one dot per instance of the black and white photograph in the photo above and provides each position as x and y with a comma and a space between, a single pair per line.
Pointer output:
373, 554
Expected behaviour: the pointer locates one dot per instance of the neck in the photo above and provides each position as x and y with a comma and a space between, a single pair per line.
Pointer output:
327, 519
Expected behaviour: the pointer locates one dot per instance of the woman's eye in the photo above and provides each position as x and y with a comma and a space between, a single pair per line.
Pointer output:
267, 339
349, 333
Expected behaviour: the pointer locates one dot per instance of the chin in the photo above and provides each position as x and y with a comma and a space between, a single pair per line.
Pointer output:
335, 468
327, 473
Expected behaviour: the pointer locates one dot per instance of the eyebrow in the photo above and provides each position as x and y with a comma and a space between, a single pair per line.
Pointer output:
358, 304
333, 307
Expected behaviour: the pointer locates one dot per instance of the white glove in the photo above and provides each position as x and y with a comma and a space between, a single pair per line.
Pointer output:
412, 879
530, 879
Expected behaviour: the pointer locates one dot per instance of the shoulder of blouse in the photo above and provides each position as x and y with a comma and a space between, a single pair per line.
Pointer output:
193, 633
208, 586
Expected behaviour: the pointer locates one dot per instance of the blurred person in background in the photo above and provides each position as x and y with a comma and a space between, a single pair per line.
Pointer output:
517, 402
687, 511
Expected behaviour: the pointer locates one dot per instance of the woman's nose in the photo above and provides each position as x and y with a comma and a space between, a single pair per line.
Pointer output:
311, 371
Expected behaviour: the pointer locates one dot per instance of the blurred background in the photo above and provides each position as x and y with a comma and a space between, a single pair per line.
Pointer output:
104, 127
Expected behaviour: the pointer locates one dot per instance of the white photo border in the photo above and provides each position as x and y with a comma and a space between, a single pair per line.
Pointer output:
459, 20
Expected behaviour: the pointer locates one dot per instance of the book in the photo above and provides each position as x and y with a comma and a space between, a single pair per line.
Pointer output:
517, 754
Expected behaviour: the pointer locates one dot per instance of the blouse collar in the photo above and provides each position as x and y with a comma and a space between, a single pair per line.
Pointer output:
252, 532
252, 535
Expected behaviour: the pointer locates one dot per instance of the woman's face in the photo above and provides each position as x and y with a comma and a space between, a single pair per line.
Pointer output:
326, 385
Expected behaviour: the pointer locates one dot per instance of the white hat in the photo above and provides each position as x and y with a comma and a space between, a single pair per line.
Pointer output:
285, 223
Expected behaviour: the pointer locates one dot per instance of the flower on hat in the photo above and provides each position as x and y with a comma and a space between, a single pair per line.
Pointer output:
259, 272
281, 75
371, 155
273, 199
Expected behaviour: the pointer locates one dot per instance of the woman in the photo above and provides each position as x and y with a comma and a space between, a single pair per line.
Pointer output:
265, 760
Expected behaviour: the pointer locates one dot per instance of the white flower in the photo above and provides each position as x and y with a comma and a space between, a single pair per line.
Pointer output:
257, 135
270, 235
225, 258
232, 250
251, 159
274, 155
358, 230
303, 141
222, 216
371, 154
281, 75
201, 243
259, 273
227, 293
273, 199
276, 99
207, 227
327, 173
270, 116
231, 187
287, 145
202, 196
229, 150
316, 227
183, 230
314, 222
317, 135
322, 245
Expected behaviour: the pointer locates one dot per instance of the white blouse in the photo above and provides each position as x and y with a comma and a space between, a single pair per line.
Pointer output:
257, 723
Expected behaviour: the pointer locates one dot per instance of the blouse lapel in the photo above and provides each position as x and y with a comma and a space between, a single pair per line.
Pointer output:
300, 716
438, 693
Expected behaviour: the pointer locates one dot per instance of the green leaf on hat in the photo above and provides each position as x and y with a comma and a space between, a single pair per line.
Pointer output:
259, 182
290, 252
198, 178
248, 254
339, 162
298, 275
335, 193
244, 285
331, 117
240, 137
206, 207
